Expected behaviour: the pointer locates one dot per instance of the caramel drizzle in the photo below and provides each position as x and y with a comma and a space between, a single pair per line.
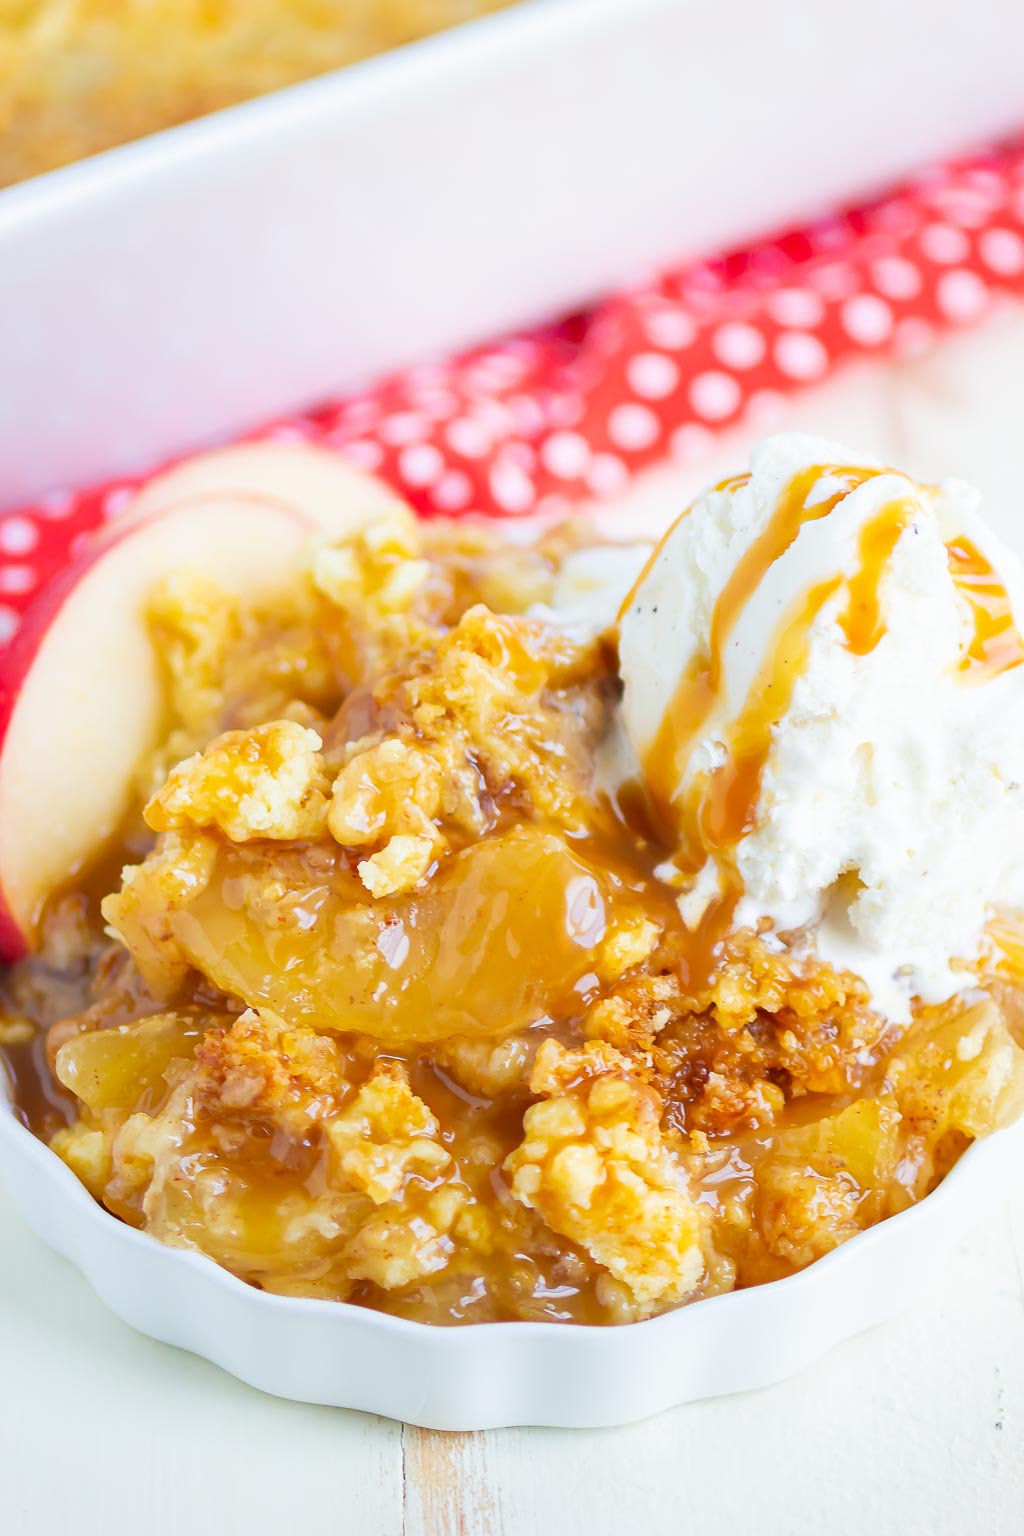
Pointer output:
719, 807
734, 788
995, 645
734, 483
698, 692
862, 620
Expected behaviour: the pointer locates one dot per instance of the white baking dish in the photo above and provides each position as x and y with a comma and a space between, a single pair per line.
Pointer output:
492, 1374
186, 286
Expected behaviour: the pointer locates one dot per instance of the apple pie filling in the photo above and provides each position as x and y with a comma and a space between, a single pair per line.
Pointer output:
382, 992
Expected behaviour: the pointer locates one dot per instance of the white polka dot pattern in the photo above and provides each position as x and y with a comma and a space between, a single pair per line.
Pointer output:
566, 454
867, 319
800, 356
739, 346
1002, 251
538, 423
607, 475
962, 295
420, 465
18, 535
652, 375
714, 395
633, 426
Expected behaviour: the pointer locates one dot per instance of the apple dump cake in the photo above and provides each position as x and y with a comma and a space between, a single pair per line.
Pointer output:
78, 76
563, 932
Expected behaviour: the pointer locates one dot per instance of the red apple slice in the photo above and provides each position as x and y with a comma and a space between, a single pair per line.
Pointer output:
315, 482
80, 691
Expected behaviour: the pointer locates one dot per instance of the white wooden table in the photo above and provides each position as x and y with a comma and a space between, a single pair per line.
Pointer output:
915, 1429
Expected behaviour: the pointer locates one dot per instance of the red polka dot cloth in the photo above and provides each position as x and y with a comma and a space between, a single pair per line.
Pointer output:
537, 423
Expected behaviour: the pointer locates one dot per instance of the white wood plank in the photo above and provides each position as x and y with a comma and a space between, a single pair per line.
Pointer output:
451, 1488
103, 1432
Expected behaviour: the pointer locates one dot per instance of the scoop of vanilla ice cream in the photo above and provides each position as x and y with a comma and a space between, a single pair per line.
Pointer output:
890, 808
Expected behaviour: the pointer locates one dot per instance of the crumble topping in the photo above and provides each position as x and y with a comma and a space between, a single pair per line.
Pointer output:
386, 1134
261, 1067
141, 914
594, 1164
267, 782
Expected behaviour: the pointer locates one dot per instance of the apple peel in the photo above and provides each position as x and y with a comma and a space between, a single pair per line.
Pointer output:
313, 482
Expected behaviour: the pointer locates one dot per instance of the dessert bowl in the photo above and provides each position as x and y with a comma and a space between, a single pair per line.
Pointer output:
492, 1375
419, 929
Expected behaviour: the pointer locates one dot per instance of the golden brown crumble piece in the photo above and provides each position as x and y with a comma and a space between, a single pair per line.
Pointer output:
396, 1247
141, 913
487, 1068
390, 573
732, 1102
380, 599
593, 1164
195, 625
400, 865
633, 1015
628, 944
708, 1079
267, 782
493, 696
387, 798
756, 978
384, 1135
87, 1151
473, 724
393, 587
227, 667
262, 1068
767, 1028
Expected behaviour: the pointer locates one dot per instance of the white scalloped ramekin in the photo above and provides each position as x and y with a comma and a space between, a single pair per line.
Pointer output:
493, 1374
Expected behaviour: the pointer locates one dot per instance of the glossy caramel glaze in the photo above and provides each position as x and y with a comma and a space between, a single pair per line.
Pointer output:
996, 645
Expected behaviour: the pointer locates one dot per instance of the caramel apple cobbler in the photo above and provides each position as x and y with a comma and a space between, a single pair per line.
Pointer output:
80, 76
553, 933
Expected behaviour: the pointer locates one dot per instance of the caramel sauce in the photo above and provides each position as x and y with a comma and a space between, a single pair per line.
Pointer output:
996, 645
862, 620
717, 809
697, 695
724, 811
733, 483
40, 1103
